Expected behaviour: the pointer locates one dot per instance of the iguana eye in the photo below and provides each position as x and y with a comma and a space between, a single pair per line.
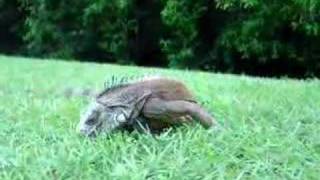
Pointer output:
111, 107
90, 121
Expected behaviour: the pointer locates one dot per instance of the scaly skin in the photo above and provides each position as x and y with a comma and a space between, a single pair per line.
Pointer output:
153, 104
170, 104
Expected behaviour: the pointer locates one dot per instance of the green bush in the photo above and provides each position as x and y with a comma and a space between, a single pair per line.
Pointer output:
274, 30
11, 25
259, 31
252, 36
73, 29
181, 17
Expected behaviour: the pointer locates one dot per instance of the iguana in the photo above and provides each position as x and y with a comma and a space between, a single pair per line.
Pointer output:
148, 105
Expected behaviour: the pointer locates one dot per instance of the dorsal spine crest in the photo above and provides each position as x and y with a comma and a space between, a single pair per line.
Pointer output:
119, 82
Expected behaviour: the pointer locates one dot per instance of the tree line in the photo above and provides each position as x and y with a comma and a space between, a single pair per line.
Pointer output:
259, 37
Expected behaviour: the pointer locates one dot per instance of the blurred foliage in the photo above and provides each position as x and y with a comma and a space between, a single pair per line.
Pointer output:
275, 30
256, 33
11, 26
78, 29
251, 36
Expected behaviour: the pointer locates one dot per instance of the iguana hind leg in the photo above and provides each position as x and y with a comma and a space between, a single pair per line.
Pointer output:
162, 110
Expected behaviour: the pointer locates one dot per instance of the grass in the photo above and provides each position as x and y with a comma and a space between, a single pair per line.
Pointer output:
271, 128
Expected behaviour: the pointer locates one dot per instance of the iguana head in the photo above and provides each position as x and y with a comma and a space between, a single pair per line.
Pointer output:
112, 109
100, 118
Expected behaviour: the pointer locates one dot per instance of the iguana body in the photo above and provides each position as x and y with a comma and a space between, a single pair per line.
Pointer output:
155, 103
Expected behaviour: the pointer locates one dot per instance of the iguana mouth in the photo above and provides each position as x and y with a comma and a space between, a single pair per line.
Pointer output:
93, 132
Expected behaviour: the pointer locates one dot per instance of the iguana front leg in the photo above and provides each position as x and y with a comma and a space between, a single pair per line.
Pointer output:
141, 125
159, 109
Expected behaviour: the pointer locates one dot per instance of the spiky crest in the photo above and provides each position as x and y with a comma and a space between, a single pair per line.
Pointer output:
116, 83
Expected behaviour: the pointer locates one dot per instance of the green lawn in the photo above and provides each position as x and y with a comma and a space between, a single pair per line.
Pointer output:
271, 128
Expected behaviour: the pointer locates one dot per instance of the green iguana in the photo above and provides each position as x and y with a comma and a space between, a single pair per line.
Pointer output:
148, 105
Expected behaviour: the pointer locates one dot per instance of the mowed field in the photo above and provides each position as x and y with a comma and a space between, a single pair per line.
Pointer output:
270, 129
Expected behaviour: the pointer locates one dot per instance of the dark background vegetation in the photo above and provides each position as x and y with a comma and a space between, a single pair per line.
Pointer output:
257, 37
